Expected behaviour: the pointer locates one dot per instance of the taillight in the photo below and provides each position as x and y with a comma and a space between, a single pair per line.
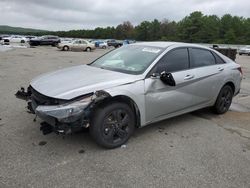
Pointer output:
239, 69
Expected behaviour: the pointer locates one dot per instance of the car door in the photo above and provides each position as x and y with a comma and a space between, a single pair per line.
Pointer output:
14, 39
83, 45
44, 40
75, 45
161, 99
208, 75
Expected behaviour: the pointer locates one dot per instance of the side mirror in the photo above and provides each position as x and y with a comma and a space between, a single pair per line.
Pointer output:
167, 78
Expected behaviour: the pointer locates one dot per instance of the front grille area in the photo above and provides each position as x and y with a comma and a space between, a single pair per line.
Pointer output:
41, 99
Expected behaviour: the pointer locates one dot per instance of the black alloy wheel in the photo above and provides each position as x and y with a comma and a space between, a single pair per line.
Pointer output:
224, 100
112, 125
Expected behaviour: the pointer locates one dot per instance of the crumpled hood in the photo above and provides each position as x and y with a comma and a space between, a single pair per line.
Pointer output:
75, 81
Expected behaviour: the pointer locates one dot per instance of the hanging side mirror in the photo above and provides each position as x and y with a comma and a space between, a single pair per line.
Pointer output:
167, 78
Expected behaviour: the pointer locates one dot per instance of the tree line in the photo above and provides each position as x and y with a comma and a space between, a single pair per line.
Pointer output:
194, 28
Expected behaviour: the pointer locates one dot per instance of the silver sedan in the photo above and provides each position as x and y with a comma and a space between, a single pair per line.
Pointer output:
80, 44
131, 87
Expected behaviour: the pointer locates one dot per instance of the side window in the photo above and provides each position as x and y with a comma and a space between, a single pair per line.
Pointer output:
175, 60
201, 57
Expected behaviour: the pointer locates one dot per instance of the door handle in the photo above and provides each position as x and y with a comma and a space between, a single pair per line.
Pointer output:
220, 69
189, 77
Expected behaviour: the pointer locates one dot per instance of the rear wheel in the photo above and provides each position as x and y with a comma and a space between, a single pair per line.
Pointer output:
224, 100
112, 125
88, 49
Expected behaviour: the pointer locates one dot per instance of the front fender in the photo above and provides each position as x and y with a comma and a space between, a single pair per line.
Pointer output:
135, 91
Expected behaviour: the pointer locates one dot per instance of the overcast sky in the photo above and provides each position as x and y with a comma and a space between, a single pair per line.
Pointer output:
88, 14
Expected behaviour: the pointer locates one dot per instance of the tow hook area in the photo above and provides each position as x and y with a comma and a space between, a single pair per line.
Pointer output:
62, 129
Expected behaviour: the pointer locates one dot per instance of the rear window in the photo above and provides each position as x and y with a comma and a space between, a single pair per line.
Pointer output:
218, 59
201, 58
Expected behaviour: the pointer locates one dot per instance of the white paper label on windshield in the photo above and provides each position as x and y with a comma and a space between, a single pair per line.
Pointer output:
151, 50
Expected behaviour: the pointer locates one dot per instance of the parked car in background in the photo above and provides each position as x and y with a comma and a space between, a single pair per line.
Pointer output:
103, 45
131, 87
114, 43
3, 36
244, 50
128, 41
30, 37
14, 39
66, 40
96, 42
80, 44
45, 40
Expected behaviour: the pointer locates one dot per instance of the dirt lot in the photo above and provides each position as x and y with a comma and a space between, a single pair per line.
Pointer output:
199, 149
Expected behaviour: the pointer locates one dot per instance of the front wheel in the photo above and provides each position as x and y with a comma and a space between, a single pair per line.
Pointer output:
88, 49
112, 125
65, 48
224, 100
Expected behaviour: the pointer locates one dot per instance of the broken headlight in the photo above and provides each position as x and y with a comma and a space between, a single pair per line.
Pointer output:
68, 112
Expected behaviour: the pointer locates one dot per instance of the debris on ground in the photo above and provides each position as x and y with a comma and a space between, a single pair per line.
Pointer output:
42, 143
123, 146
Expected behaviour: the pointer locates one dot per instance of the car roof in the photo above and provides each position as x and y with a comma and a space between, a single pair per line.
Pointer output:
167, 44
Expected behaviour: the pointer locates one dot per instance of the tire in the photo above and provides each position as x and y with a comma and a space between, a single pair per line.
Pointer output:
112, 125
22, 41
223, 100
104, 47
88, 49
240, 54
65, 48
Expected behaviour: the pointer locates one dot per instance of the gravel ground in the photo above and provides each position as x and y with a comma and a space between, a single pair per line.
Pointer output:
198, 149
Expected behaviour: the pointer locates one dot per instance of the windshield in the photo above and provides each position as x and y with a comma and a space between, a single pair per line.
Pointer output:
131, 59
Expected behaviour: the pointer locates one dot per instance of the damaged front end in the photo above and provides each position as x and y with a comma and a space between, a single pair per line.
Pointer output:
61, 116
